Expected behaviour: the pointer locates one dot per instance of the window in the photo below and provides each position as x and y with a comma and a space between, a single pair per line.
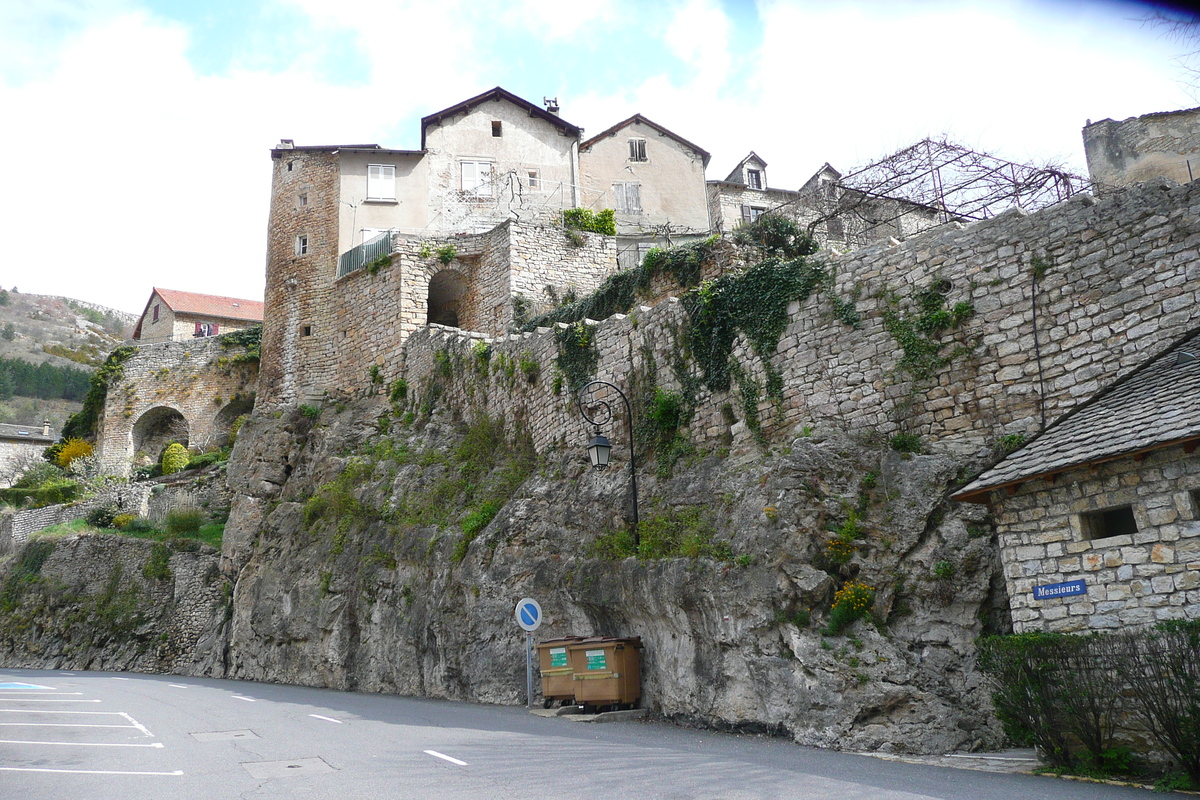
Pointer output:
302, 199
477, 178
535, 179
627, 198
637, 150
1195, 503
291, 164
206, 329
381, 182
1117, 521
754, 178
302, 245
306, 330
156, 312
497, 127
835, 229
751, 213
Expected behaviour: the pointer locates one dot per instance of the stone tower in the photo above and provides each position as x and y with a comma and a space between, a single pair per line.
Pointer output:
302, 253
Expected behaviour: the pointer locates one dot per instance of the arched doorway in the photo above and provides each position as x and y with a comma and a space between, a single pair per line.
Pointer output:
446, 292
223, 423
154, 430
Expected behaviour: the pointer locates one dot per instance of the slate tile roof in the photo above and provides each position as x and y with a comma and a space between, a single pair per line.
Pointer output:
1155, 406
26, 433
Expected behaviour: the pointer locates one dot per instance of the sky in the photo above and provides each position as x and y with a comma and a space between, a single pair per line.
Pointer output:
165, 111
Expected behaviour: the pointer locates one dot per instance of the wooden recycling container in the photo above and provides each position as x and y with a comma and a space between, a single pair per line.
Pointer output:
556, 670
606, 672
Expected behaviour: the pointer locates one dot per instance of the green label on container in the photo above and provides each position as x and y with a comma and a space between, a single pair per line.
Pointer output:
558, 656
595, 659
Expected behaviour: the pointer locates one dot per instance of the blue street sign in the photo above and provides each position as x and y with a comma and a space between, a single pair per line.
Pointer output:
529, 614
1052, 590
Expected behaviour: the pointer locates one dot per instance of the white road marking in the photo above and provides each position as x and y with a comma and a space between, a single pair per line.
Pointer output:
120, 679
436, 754
48, 700
23, 686
137, 724
177, 686
247, 699
327, 719
27, 694
159, 745
40, 711
59, 725
87, 771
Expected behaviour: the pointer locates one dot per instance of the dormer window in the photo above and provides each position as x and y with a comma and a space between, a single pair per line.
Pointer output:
637, 150
754, 178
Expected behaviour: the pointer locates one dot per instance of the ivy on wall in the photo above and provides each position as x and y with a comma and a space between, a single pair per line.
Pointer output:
83, 424
919, 332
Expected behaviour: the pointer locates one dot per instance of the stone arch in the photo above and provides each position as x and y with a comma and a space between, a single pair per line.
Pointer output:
223, 422
154, 430
447, 291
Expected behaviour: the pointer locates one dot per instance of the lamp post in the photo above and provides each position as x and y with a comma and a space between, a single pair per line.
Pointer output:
599, 448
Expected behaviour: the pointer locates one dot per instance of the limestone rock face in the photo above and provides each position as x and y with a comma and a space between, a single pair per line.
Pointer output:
348, 567
360, 602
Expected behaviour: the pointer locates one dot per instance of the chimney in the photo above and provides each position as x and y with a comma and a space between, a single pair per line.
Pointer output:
551, 104
286, 144
45, 427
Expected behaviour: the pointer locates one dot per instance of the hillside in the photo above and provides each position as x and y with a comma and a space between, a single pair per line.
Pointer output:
60, 331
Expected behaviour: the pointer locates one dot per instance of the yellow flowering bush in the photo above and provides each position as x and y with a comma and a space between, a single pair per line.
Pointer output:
72, 449
853, 601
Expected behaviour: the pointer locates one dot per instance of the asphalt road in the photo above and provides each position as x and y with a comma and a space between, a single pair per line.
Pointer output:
101, 735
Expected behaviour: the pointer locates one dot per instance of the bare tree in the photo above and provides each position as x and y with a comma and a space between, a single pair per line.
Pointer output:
1183, 28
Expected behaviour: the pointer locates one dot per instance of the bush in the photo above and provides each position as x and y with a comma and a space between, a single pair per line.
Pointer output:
174, 458
102, 517
146, 473
122, 521
184, 521
852, 602
70, 450
207, 459
583, 219
138, 525
236, 428
906, 443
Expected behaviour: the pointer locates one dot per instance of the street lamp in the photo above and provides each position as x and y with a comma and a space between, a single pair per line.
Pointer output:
599, 448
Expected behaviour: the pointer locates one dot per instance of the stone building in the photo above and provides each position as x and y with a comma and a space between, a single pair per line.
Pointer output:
1161, 145
653, 179
174, 316
21, 446
1099, 516
837, 216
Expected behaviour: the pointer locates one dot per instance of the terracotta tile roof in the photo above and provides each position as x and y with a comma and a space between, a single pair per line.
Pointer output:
211, 305
1155, 406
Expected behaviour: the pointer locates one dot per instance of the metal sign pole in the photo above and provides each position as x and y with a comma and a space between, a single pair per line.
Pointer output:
529, 668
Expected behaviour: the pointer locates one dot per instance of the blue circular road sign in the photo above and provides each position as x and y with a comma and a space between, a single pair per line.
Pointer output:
529, 614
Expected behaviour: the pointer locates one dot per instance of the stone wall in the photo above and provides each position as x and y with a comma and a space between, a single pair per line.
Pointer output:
1115, 282
182, 391
373, 312
1137, 579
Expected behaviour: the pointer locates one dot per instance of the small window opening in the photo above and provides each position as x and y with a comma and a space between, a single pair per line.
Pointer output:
290, 165
303, 198
1117, 521
301, 245
637, 150
535, 180
1195, 503
306, 330
156, 312
497, 127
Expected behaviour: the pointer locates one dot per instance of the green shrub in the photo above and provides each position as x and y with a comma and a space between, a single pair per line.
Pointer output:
777, 236
174, 458
943, 570
139, 525
310, 412
398, 390
157, 566
207, 459
852, 602
122, 521
102, 517
185, 521
584, 219
905, 443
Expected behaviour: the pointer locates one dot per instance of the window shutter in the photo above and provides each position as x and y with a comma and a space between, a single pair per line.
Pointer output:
746, 214
634, 194
619, 197
156, 312
468, 176
215, 328
633, 149
198, 330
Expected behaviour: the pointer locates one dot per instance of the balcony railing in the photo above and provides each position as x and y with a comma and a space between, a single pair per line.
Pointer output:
358, 257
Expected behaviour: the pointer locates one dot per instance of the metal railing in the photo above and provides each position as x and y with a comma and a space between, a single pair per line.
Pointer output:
358, 257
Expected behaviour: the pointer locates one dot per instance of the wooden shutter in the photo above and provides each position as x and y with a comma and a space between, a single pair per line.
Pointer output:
634, 194
215, 329
468, 176
198, 329
746, 214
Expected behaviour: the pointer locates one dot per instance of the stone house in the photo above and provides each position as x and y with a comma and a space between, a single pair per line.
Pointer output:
1160, 145
174, 316
21, 445
653, 179
1099, 516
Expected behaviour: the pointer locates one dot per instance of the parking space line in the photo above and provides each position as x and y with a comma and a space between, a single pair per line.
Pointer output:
436, 754
327, 719
60, 713
60, 725
158, 745
178, 686
45, 700
247, 699
88, 771
120, 679
27, 694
